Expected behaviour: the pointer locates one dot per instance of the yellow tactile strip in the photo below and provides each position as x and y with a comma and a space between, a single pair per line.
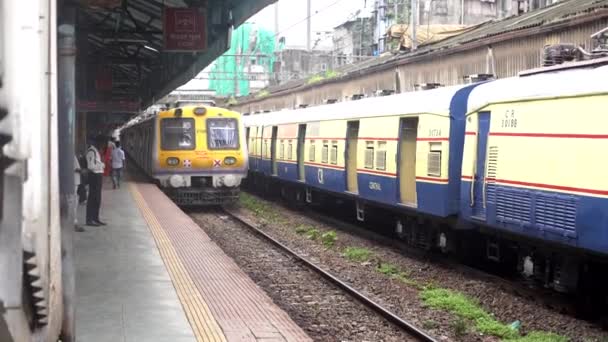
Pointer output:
204, 325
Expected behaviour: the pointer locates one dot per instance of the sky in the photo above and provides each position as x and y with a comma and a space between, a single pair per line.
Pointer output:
326, 14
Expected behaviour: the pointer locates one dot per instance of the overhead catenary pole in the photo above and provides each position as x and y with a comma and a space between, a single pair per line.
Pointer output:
308, 24
413, 23
276, 25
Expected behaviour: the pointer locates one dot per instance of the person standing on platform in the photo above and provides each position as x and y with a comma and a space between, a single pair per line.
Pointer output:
96, 168
118, 163
77, 184
107, 156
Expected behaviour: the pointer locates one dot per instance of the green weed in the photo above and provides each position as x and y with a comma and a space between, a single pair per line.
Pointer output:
357, 254
259, 208
312, 234
394, 272
329, 239
388, 269
302, 229
467, 309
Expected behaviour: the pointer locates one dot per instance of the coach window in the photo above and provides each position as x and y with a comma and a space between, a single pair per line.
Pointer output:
334, 152
434, 160
222, 134
177, 134
381, 156
325, 152
290, 150
282, 150
312, 151
369, 154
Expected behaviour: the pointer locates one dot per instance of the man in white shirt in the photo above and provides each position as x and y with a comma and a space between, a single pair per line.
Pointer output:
96, 167
77, 181
118, 163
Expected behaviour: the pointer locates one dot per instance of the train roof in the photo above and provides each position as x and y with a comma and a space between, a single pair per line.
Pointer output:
563, 83
434, 101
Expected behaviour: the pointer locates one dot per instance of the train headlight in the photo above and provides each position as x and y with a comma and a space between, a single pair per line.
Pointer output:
172, 161
177, 181
230, 181
200, 111
229, 161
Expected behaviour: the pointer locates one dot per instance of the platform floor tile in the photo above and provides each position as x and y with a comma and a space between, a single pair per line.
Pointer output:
211, 286
124, 292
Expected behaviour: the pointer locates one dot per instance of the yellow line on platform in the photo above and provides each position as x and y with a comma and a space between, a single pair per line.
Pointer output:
203, 324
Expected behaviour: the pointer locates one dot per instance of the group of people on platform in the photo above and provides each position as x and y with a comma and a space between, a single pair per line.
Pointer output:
104, 157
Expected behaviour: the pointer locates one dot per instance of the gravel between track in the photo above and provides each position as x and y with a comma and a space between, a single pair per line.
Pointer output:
323, 311
404, 299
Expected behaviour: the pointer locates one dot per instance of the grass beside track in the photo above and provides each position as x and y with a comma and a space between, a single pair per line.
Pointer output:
467, 311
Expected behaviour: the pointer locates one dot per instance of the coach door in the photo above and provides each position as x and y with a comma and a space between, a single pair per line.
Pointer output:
479, 210
352, 139
408, 133
301, 142
273, 150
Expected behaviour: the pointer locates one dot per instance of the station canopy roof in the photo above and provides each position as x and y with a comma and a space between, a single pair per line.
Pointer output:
125, 61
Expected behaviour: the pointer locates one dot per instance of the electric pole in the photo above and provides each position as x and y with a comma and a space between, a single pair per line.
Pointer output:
413, 23
276, 25
308, 24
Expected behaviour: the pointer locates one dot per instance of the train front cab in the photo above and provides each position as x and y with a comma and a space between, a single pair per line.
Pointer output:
200, 157
534, 181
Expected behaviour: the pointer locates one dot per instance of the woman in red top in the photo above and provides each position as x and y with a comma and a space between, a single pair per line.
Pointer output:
107, 158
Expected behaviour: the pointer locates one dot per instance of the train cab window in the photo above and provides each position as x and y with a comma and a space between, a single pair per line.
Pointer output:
369, 154
290, 150
177, 134
222, 134
334, 152
325, 152
282, 150
312, 151
381, 156
434, 160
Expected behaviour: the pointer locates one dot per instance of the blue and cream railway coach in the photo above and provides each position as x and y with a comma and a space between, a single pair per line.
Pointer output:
404, 150
535, 162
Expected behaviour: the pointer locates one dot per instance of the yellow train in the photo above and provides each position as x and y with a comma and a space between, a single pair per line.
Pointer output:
196, 154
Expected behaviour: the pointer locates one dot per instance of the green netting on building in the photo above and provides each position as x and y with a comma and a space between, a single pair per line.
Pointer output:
251, 45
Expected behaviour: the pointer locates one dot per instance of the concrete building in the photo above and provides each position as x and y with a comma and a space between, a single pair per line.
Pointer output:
446, 12
291, 64
353, 40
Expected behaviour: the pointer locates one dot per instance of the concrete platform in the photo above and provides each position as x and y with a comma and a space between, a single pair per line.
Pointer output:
153, 275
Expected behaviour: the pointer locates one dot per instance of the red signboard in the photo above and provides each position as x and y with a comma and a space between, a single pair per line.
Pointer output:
185, 29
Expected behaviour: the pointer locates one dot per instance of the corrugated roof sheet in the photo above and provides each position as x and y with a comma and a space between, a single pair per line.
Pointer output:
121, 36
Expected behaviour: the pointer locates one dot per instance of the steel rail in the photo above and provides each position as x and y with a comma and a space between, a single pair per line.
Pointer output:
388, 315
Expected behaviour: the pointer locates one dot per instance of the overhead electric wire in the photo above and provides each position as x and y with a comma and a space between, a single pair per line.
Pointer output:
307, 17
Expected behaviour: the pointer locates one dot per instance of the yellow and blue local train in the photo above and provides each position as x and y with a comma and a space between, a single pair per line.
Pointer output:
521, 161
196, 154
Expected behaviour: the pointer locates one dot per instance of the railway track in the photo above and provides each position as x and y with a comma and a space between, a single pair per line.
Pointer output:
540, 296
379, 309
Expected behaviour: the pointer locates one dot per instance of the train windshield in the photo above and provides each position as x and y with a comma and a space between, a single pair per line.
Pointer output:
222, 134
177, 134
